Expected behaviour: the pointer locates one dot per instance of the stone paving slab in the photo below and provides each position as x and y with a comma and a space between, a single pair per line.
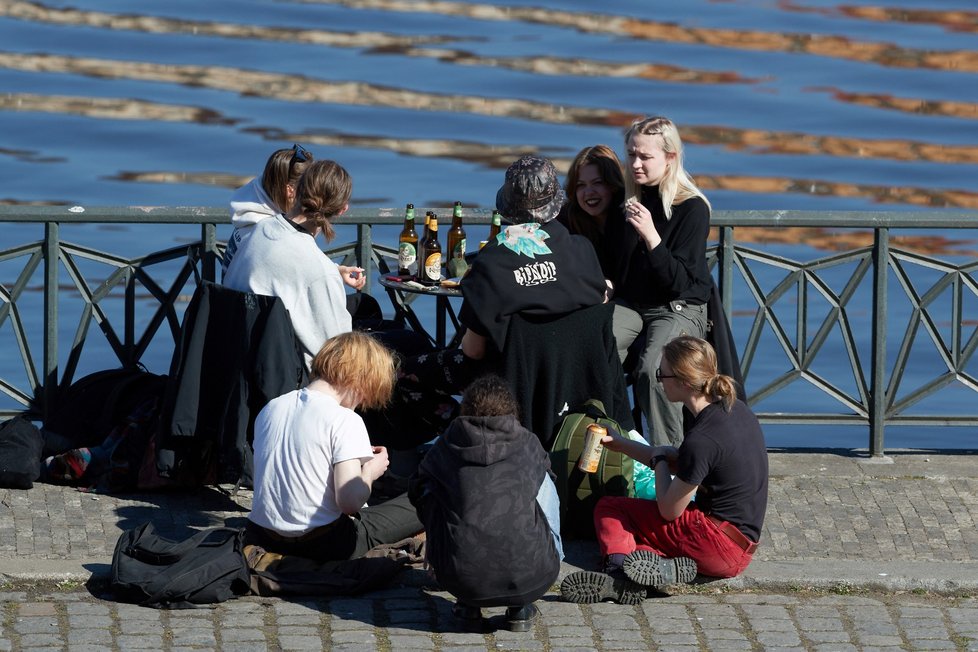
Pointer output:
902, 522
838, 523
409, 619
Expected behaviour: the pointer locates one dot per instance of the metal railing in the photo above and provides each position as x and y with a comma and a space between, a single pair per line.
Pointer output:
826, 319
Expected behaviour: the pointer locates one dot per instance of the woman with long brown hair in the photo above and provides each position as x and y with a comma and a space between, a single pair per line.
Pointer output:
595, 191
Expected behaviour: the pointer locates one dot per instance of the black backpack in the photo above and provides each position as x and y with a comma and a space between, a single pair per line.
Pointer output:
92, 406
20, 453
154, 571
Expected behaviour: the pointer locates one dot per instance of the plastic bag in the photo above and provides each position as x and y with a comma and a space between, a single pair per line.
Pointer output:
643, 477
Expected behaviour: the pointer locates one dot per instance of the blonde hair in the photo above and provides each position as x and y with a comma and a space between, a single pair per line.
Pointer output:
358, 362
694, 362
322, 193
676, 186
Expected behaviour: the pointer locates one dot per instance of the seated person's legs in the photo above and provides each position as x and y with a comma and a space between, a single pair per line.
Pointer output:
627, 325
387, 522
664, 417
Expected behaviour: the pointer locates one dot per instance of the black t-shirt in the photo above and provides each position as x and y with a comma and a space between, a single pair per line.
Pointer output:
530, 269
674, 270
725, 454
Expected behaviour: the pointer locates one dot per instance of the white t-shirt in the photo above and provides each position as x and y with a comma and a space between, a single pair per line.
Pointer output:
299, 436
277, 260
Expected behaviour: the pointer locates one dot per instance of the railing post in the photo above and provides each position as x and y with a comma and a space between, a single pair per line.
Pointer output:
49, 390
877, 403
364, 248
726, 269
208, 233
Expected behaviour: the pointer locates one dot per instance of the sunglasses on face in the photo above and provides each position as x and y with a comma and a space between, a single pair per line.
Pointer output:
659, 375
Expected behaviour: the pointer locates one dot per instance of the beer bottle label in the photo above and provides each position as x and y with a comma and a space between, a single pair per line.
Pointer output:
459, 251
406, 255
432, 267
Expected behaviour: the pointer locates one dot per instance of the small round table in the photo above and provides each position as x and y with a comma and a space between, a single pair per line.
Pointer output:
403, 293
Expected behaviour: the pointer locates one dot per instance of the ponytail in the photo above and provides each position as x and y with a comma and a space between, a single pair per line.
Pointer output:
722, 388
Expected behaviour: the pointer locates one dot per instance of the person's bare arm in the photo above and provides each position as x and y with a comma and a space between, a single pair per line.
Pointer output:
353, 480
672, 494
473, 345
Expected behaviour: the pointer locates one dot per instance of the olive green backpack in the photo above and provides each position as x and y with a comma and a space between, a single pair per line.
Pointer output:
579, 491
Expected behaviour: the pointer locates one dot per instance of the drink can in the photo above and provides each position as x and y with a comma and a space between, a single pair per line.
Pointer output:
591, 455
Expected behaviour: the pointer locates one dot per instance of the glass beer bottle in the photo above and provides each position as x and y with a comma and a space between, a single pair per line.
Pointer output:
456, 265
407, 248
429, 269
495, 227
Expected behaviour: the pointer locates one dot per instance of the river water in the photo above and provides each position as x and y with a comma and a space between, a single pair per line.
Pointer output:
788, 104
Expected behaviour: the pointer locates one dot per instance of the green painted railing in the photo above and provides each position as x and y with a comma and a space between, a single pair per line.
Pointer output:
822, 322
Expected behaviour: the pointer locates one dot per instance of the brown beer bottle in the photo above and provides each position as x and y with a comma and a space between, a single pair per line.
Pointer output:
429, 268
456, 265
407, 247
495, 227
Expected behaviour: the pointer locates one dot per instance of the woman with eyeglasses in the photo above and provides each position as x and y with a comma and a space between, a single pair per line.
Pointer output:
722, 461
262, 198
280, 258
662, 282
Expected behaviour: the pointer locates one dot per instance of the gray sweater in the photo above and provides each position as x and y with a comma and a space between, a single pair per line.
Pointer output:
278, 260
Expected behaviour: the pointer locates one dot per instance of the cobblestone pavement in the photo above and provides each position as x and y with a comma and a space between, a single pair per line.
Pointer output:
410, 619
890, 547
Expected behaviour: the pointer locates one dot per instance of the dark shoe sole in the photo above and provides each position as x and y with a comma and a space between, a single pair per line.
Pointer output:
586, 587
649, 569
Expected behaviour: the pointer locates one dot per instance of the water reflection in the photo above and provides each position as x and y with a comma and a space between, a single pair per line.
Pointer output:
374, 43
951, 20
945, 108
298, 88
499, 157
824, 45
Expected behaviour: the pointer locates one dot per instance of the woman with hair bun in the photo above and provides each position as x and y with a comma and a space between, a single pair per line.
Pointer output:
722, 461
281, 259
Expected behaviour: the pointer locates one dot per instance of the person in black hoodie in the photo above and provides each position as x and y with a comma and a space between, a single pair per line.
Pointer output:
489, 508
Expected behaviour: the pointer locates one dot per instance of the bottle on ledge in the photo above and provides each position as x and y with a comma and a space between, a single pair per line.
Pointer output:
429, 268
407, 248
456, 265
495, 227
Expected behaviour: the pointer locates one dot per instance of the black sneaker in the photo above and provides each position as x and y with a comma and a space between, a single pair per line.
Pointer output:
521, 619
586, 587
469, 617
649, 569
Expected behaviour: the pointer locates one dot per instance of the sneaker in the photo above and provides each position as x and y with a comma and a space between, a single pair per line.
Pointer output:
469, 617
586, 587
521, 619
649, 569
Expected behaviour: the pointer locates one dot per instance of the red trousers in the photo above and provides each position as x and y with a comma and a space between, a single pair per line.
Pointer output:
624, 525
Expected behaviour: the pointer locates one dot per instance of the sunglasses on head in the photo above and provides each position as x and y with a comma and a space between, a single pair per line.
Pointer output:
299, 155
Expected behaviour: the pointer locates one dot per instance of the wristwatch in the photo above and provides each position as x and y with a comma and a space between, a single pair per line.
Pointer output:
656, 459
